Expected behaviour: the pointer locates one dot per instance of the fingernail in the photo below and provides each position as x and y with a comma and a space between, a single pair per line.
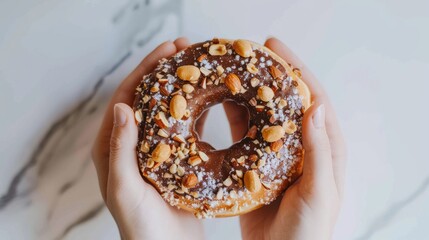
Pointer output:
319, 117
270, 36
119, 116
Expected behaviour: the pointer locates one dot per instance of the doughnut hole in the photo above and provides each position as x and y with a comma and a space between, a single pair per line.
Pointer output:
212, 125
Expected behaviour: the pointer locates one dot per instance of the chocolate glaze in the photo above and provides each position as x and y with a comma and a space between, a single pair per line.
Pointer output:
221, 163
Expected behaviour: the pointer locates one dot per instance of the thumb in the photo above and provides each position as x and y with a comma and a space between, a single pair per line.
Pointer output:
123, 165
317, 158
238, 118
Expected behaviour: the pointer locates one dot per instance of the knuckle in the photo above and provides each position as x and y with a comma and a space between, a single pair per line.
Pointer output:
306, 194
320, 146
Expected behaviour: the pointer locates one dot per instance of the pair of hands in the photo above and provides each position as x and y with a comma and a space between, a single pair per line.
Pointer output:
308, 209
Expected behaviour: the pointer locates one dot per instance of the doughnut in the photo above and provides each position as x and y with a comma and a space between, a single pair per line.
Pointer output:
188, 172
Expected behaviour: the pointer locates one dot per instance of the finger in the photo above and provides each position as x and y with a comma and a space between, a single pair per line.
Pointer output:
238, 119
123, 167
317, 158
124, 93
181, 43
318, 95
286, 53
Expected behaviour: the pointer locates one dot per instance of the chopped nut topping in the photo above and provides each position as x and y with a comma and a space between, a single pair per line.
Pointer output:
252, 181
227, 182
185, 151
146, 98
161, 120
289, 127
178, 106
164, 109
272, 119
161, 153
282, 104
190, 180
162, 133
180, 171
188, 73
261, 163
219, 70
275, 72
203, 156
219, 194
297, 72
254, 82
180, 155
179, 138
240, 160
173, 169
253, 102
163, 81
233, 194
150, 163
266, 185
243, 90
252, 68
152, 103
202, 57
265, 93
205, 71
187, 88
176, 92
242, 48
194, 160
151, 132
273, 133
233, 83
187, 114
259, 108
145, 147
253, 157
217, 49
138, 115
252, 132
154, 89
270, 104
204, 83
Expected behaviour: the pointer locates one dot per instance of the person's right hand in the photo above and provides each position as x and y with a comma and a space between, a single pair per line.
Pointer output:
309, 208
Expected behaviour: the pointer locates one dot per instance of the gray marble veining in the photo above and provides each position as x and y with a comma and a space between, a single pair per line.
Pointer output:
387, 216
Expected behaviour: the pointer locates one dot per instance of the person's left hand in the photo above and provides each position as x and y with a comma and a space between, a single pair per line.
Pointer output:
136, 206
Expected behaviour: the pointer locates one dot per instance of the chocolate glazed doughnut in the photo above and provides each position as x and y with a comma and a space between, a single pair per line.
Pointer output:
191, 174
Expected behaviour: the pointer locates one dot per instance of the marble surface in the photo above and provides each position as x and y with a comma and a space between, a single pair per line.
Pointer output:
61, 60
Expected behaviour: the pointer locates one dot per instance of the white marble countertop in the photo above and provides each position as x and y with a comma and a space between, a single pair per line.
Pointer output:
61, 60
